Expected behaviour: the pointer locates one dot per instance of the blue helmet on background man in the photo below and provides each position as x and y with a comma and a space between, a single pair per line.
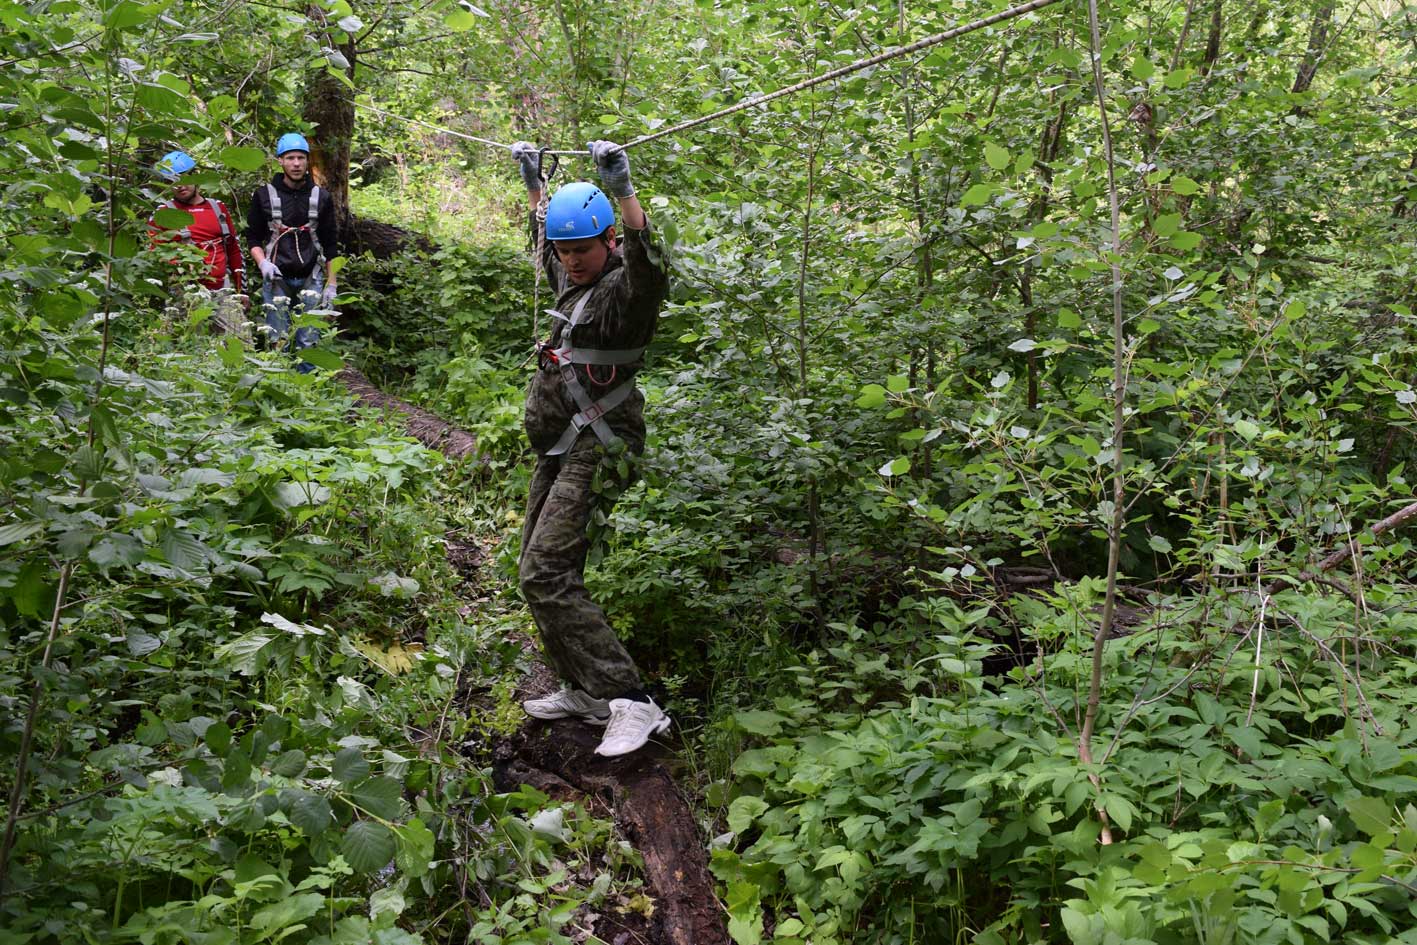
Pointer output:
291, 141
173, 165
578, 211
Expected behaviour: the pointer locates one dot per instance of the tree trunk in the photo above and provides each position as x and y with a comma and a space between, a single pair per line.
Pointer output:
329, 107
1212, 41
429, 429
1318, 39
381, 240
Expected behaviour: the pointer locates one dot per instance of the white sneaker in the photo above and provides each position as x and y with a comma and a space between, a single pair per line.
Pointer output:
631, 725
569, 704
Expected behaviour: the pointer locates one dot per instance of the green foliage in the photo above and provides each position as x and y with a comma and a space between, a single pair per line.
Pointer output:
956, 806
867, 549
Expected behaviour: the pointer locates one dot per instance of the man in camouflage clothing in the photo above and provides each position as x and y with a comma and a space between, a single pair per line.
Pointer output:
583, 411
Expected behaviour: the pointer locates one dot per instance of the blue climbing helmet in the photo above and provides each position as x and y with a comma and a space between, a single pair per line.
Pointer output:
291, 141
578, 211
173, 165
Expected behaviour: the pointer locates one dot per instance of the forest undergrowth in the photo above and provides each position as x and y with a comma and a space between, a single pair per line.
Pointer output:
983, 550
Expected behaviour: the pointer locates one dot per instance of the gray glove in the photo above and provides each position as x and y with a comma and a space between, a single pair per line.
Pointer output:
525, 154
614, 166
327, 298
268, 269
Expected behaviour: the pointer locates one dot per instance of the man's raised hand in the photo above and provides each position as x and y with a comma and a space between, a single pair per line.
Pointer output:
613, 164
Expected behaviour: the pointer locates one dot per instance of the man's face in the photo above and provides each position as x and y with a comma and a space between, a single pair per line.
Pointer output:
185, 193
295, 164
584, 260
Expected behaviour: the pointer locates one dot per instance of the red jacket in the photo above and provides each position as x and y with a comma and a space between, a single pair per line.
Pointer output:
206, 233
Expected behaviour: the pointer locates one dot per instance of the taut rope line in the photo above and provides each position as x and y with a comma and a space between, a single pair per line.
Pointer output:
757, 100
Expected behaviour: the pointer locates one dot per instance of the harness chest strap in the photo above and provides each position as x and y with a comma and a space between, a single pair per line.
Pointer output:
279, 229
224, 240
186, 231
592, 413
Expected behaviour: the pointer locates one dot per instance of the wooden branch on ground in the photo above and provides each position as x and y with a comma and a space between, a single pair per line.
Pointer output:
559, 758
427, 428
648, 810
1336, 558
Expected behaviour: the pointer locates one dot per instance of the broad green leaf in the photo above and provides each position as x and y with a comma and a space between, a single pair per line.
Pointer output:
19, 531
1067, 318
349, 766
126, 14
1246, 428
997, 157
1184, 186
1167, 224
321, 358
222, 107
744, 810
415, 848
1082, 929
1186, 241
368, 846
242, 159
312, 814
231, 352
745, 913
380, 796
759, 722
1373, 815
171, 218
977, 196
1159, 544
1179, 78
218, 738
460, 20
286, 914
872, 395
184, 551
291, 764
896, 467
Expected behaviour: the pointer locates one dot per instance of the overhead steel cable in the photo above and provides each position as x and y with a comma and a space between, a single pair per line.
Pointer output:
758, 100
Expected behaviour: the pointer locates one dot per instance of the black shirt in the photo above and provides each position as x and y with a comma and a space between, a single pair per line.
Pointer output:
295, 252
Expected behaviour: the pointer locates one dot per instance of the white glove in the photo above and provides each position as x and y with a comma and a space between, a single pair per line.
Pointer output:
268, 270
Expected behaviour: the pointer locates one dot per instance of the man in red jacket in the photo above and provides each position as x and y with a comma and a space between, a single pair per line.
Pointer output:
211, 232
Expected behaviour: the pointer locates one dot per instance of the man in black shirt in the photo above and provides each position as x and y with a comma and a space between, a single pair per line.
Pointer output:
291, 234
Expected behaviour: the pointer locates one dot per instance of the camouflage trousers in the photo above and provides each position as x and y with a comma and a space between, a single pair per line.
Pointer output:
561, 504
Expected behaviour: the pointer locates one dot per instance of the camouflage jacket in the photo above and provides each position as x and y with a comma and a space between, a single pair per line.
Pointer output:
623, 312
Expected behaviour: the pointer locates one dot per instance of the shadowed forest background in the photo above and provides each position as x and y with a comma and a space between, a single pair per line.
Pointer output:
1010, 577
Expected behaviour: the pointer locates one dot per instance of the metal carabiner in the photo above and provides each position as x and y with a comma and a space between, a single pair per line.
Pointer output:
540, 164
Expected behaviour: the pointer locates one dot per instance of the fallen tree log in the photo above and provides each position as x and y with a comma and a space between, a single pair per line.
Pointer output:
1348, 550
427, 428
558, 758
648, 809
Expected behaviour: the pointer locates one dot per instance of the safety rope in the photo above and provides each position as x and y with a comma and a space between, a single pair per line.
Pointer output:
438, 128
759, 100
539, 263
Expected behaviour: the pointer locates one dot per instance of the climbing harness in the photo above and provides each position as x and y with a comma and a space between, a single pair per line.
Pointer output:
759, 100
279, 229
565, 358
186, 231
237, 272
